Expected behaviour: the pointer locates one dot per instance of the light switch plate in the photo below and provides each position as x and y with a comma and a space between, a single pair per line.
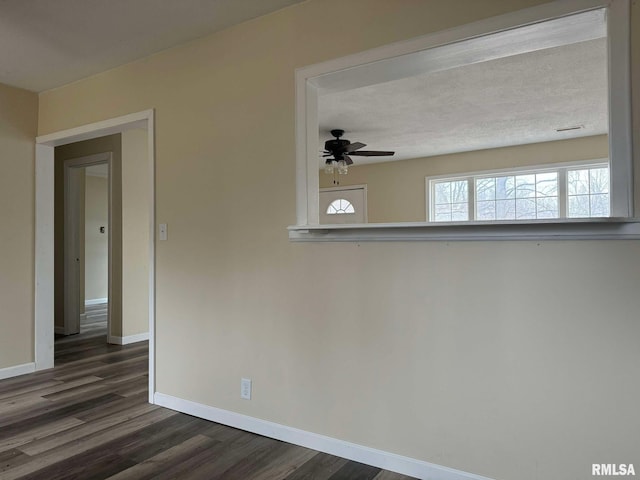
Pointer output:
162, 231
245, 388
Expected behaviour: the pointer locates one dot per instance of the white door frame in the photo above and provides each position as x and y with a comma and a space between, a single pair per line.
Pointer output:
44, 252
72, 211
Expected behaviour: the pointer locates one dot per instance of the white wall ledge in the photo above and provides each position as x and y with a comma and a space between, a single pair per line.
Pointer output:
564, 229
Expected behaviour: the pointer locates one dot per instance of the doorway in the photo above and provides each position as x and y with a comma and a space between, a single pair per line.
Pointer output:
346, 204
44, 238
87, 191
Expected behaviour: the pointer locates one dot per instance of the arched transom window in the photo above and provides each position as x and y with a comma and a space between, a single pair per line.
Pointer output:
339, 207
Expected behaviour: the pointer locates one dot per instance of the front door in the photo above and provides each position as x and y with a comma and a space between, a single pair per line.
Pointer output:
343, 204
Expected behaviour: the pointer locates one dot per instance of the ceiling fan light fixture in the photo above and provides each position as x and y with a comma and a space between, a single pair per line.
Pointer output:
328, 168
343, 168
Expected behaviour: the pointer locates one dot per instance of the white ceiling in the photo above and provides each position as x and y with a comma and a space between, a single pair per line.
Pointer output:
513, 100
48, 43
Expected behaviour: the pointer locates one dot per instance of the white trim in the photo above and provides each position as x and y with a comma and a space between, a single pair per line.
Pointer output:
17, 370
359, 453
97, 129
44, 257
96, 301
44, 280
521, 169
372, 66
138, 337
554, 229
620, 101
151, 171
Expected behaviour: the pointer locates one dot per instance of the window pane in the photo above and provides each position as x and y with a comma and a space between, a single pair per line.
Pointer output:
599, 180
547, 207
486, 210
600, 205
525, 186
525, 208
578, 206
547, 184
443, 192
443, 213
505, 187
505, 209
460, 212
459, 191
485, 189
578, 182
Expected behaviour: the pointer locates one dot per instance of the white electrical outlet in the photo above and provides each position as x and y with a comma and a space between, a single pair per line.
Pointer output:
245, 388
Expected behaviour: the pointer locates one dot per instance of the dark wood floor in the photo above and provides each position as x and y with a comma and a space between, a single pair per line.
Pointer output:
88, 418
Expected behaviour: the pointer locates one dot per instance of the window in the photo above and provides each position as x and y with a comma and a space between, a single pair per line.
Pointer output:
451, 201
588, 192
339, 207
559, 192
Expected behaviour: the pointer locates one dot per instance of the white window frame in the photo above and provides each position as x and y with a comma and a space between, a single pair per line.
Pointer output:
471, 177
398, 60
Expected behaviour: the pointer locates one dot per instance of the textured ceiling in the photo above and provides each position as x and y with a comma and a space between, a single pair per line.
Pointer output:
509, 101
48, 43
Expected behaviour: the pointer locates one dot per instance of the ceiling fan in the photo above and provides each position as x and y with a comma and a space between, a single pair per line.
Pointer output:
342, 150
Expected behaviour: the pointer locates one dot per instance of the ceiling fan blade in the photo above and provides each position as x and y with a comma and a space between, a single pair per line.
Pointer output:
354, 146
372, 153
347, 159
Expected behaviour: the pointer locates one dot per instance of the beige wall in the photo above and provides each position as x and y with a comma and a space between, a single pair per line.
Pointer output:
96, 250
507, 359
135, 233
75, 150
396, 190
18, 123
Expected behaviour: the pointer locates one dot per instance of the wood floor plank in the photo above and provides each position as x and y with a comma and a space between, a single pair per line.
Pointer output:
211, 464
28, 389
118, 405
156, 438
151, 467
356, 471
386, 475
97, 464
12, 458
320, 467
38, 432
78, 446
83, 429
282, 465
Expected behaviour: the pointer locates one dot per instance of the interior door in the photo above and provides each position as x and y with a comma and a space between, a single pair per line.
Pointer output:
73, 212
343, 204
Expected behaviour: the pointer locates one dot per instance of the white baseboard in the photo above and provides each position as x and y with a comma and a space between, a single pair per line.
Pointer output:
139, 337
359, 453
95, 301
17, 370
59, 330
